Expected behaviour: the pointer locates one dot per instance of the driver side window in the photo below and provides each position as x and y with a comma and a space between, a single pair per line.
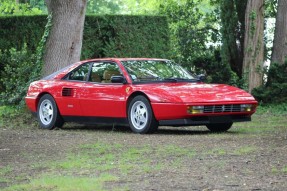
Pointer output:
103, 72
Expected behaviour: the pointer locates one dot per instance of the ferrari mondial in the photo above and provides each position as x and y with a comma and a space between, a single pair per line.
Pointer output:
139, 92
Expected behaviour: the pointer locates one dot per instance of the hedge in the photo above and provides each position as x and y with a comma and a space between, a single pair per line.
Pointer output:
125, 36
104, 36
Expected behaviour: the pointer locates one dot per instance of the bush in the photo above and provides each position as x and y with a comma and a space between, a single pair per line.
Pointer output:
275, 90
18, 72
216, 71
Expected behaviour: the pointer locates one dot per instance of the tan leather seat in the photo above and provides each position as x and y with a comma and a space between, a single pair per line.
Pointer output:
95, 77
108, 75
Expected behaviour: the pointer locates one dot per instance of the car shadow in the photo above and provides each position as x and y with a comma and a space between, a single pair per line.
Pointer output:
163, 130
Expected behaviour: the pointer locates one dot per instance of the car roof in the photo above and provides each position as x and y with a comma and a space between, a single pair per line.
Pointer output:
123, 59
61, 73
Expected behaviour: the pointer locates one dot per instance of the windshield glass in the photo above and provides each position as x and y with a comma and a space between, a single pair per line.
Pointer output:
156, 70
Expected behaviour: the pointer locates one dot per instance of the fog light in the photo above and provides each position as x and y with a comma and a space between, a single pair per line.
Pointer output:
246, 107
195, 109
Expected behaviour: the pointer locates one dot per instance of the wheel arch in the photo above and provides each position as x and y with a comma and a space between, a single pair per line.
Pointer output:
39, 97
133, 95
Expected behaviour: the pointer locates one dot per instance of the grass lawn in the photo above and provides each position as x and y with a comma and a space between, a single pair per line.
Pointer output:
174, 158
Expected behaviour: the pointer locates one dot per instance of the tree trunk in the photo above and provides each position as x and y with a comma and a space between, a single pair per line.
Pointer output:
254, 44
279, 51
64, 44
232, 31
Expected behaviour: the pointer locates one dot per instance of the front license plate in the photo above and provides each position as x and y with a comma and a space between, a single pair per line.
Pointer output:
220, 119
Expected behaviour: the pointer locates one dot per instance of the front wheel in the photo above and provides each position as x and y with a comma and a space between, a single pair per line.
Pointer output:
140, 116
48, 113
219, 127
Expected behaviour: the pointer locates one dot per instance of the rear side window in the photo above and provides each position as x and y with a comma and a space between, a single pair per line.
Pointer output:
80, 73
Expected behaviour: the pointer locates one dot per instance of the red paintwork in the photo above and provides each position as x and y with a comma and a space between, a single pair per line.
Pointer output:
168, 100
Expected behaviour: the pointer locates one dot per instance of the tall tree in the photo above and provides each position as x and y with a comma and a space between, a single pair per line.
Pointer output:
279, 51
232, 13
64, 43
254, 44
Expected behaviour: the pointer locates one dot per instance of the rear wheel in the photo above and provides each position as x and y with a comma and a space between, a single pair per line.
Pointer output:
48, 113
219, 127
140, 116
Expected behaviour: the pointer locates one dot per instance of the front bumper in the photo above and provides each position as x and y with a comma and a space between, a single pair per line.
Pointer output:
204, 120
31, 103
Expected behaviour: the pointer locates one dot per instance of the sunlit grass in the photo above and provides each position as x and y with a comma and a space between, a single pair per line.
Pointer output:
79, 170
217, 151
244, 150
263, 123
278, 109
65, 183
14, 117
283, 170
92, 166
4, 171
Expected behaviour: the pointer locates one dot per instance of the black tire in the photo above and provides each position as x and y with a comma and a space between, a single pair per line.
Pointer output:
140, 116
48, 114
219, 127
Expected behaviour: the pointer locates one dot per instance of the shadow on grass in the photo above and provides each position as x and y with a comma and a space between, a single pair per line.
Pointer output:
163, 130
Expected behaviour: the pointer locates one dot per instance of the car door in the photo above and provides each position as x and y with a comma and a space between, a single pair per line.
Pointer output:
101, 97
70, 91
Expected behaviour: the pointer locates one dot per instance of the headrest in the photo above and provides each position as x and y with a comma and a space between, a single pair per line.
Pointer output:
109, 73
95, 77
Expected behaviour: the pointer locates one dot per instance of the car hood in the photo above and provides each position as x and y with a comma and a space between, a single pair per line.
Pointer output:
197, 92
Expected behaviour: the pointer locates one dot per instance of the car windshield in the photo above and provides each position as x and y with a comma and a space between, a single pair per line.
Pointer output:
156, 70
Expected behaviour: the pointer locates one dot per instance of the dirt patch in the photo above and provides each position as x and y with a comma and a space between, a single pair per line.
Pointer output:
237, 160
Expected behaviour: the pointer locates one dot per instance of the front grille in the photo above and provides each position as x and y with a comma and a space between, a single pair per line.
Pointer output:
222, 108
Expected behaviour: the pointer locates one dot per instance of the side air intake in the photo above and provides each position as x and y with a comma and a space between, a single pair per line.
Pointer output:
66, 92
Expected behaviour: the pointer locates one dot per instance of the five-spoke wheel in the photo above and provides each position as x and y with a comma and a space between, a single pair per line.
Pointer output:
140, 116
48, 114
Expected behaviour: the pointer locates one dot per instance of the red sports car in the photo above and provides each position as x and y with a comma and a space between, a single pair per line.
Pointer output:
139, 92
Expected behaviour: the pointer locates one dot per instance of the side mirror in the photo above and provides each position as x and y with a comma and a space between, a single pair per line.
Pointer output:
118, 79
201, 77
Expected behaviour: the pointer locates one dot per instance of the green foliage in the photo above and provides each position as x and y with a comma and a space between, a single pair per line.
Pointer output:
118, 35
194, 39
104, 36
275, 90
232, 14
19, 30
190, 27
9, 7
20, 69
125, 36
270, 8
100, 7
211, 65
275, 108
16, 74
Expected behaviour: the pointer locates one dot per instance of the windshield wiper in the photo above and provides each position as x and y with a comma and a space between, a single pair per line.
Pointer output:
149, 78
179, 79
